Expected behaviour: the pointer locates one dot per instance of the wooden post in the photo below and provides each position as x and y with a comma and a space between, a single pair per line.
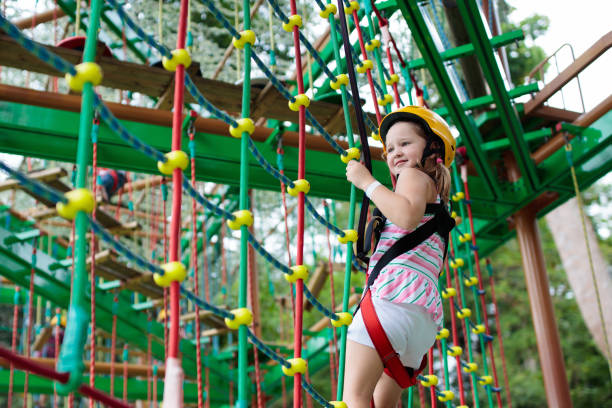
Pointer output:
543, 315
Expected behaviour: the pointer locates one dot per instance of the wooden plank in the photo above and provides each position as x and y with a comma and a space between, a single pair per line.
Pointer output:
554, 114
316, 282
43, 176
325, 322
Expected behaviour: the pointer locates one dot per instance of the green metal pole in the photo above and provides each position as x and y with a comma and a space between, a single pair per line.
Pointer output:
71, 354
241, 402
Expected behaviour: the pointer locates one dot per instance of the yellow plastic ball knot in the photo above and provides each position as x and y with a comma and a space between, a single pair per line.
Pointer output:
176, 159
454, 351
242, 316
471, 281
85, 72
364, 66
299, 186
393, 79
449, 293
349, 236
470, 367
432, 380
386, 100
457, 263
295, 20
300, 100
180, 56
352, 153
242, 217
376, 136
80, 199
485, 380
458, 196
463, 406
329, 9
344, 319
372, 45
341, 79
479, 329
338, 404
463, 238
298, 365
464, 313
173, 272
246, 36
454, 214
297, 272
353, 6
244, 125
442, 334
446, 395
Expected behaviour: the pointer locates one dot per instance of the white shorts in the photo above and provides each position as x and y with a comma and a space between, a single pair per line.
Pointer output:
409, 328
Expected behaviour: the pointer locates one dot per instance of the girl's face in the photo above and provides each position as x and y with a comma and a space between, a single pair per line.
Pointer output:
405, 146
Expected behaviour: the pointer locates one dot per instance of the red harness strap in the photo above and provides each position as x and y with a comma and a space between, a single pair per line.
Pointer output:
404, 376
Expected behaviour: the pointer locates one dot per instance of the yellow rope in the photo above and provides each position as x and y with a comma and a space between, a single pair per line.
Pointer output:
568, 148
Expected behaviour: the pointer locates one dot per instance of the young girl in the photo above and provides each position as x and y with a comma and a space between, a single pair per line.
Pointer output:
401, 303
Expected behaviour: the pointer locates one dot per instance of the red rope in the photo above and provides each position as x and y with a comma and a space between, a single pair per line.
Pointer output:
369, 71
92, 354
177, 177
14, 345
56, 351
480, 286
455, 337
149, 363
113, 346
299, 285
125, 372
333, 346
432, 390
196, 279
29, 324
29, 365
499, 336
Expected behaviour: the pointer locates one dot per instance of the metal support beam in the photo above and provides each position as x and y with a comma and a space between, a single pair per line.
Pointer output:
508, 115
470, 135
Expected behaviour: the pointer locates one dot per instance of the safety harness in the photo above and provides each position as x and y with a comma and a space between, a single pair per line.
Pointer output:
441, 223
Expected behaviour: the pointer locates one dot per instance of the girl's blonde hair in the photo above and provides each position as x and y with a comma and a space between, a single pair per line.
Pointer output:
433, 166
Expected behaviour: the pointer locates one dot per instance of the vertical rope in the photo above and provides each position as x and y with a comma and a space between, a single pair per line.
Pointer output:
58, 323
113, 344
28, 323
499, 334
13, 344
92, 288
125, 372
455, 338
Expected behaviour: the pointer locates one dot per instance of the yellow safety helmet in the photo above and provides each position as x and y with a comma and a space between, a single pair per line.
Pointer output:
435, 127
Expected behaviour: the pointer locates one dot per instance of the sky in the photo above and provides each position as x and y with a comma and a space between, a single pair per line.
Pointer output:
580, 24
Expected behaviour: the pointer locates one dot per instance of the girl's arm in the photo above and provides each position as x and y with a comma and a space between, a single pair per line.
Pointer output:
406, 205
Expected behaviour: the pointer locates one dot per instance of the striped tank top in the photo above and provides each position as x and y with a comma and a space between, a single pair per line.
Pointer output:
412, 277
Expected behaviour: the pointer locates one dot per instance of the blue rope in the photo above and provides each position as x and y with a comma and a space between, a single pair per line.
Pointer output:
283, 17
321, 219
34, 186
202, 101
206, 306
267, 166
139, 31
277, 84
204, 202
122, 132
314, 394
37, 50
266, 350
120, 248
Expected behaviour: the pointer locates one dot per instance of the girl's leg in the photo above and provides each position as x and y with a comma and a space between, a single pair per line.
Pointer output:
362, 371
387, 392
